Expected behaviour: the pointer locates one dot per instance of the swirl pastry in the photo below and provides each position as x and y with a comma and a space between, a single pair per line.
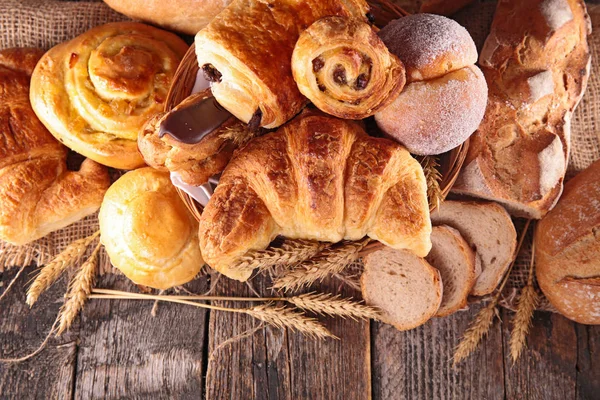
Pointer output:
148, 233
96, 92
246, 52
343, 67
38, 194
319, 178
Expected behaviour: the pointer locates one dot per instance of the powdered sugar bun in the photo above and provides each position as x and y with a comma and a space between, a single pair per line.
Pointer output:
429, 45
437, 115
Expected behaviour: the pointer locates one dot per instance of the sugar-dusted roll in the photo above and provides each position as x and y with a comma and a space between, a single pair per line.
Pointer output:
343, 67
96, 92
446, 94
246, 51
147, 231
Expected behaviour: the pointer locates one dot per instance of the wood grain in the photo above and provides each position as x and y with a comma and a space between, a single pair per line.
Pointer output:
124, 352
588, 362
274, 364
417, 364
51, 373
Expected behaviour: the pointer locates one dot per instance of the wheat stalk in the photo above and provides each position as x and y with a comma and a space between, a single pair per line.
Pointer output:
476, 331
482, 323
325, 303
290, 252
282, 317
433, 176
528, 301
79, 290
330, 261
52, 271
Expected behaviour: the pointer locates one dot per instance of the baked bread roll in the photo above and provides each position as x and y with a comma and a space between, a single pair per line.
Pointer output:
536, 62
96, 92
345, 69
453, 257
240, 47
405, 289
445, 98
203, 141
318, 178
567, 249
147, 231
488, 229
186, 16
38, 194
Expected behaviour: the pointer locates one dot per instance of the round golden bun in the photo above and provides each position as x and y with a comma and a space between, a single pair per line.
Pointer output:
96, 92
429, 45
186, 16
147, 231
435, 116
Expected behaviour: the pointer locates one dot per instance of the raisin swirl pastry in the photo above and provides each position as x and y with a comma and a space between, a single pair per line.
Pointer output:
96, 92
246, 52
343, 67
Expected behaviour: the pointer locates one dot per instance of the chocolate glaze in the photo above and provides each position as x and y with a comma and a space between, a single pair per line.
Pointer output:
192, 122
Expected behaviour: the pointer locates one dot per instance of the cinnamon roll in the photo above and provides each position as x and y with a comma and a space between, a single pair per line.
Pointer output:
246, 52
96, 92
343, 67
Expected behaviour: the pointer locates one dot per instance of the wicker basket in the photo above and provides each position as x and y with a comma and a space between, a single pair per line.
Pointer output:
382, 12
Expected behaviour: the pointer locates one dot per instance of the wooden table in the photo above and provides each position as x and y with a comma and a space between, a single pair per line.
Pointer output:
118, 350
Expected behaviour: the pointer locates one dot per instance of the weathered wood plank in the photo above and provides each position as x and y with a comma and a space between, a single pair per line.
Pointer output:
50, 374
588, 362
275, 364
126, 353
547, 367
417, 364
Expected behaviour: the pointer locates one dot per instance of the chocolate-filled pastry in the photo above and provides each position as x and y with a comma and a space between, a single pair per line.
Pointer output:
96, 92
319, 178
343, 67
246, 52
196, 139
38, 194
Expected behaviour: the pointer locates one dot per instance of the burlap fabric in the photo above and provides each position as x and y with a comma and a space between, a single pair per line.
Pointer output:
39, 23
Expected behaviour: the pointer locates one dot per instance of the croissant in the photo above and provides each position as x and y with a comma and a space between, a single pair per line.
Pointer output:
96, 92
246, 52
343, 67
319, 178
38, 194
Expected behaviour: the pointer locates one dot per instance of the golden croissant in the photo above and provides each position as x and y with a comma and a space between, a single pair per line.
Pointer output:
319, 178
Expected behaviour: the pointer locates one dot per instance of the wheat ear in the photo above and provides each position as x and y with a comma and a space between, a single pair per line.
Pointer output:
79, 290
330, 261
433, 177
528, 302
325, 303
52, 271
290, 252
283, 317
482, 323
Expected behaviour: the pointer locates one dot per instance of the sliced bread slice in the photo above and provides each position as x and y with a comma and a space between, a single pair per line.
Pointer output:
454, 258
404, 287
488, 229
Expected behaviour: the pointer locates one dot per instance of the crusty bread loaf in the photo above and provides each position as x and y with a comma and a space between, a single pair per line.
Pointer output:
451, 255
405, 288
536, 63
488, 229
567, 249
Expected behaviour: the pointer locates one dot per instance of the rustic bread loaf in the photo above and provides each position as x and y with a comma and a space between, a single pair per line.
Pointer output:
536, 63
567, 249
453, 257
404, 287
488, 229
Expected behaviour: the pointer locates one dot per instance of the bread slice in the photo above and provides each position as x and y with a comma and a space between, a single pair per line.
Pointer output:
452, 256
404, 287
488, 229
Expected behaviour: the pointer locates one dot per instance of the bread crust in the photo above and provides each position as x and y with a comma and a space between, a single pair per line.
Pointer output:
38, 194
536, 66
130, 66
567, 249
